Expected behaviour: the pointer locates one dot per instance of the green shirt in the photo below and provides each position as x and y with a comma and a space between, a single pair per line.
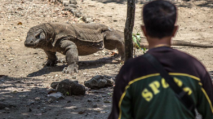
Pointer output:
141, 93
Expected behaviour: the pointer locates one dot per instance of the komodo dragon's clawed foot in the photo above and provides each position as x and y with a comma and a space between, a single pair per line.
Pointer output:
72, 68
118, 57
50, 63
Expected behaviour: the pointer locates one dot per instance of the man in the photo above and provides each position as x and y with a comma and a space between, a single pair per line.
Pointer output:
141, 93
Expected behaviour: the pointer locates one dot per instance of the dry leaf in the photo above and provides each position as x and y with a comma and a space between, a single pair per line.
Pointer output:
20, 8
19, 23
113, 53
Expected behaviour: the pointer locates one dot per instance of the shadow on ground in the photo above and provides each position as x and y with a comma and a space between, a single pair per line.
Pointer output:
82, 65
121, 1
208, 4
29, 100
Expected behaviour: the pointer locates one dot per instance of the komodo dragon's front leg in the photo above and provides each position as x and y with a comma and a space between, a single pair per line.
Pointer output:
70, 50
52, 59
114, 39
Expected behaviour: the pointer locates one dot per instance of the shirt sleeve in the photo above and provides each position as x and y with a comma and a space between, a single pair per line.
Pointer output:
120, 84
207, 85
205, 97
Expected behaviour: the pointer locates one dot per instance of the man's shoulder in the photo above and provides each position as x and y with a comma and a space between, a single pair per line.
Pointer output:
186, 56
173, 53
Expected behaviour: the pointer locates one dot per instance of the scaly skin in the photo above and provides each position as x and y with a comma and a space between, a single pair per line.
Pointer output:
73, 41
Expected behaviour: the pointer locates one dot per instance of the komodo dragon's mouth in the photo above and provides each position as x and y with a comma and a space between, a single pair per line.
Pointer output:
31, 45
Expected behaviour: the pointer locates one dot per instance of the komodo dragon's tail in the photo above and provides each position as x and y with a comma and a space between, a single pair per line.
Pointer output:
183, 43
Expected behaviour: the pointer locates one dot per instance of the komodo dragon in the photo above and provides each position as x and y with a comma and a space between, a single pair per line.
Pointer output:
72, 40
75, 40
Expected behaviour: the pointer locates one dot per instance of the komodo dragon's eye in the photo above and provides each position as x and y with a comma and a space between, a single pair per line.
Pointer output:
37, 36
40, 36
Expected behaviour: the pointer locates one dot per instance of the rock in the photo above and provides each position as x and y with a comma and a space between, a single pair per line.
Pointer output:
51, 100
65, 2
89, 20
7, 109
54, 85
107, 101
99, 81
69, 87
74, 11
95, 106
115, 20
57, 95
30, 102
81, 112
72, 2
72, 6
89, 100
29, 110
3, 106
37, 98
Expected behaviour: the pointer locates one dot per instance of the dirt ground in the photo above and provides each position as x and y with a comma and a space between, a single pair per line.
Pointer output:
26, 81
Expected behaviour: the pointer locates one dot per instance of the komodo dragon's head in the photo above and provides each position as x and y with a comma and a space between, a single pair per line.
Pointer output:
38, 36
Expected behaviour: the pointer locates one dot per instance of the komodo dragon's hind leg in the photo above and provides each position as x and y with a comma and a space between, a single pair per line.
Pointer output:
52, 59
71, 52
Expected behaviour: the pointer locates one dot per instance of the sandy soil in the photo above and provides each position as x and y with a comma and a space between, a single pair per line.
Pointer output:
26, 81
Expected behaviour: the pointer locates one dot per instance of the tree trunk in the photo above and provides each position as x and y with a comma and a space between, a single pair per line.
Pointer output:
128, 29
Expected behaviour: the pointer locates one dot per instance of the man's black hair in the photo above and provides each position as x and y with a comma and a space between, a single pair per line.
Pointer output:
159, 18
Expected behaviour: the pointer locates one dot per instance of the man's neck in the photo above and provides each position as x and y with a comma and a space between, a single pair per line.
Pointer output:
156, 42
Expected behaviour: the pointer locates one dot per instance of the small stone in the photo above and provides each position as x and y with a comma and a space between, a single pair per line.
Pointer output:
57, 95
99, 81
65, 3
37, 98
72, 6
97, 100
89, 100
7, 109
22, 96
115, 20
107, 101
95, 106
30, 102
89, 20
51, 100
106, 53
72, 2
81, 112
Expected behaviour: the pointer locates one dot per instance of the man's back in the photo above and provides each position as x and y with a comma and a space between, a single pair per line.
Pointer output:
141, 93
144, 94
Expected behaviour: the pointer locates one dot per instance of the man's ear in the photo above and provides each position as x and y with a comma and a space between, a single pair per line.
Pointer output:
144, 30
175, 31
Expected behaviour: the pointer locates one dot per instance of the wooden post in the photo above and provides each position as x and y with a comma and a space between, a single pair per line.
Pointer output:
129, 28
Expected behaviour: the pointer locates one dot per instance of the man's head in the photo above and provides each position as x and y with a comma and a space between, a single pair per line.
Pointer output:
159, 19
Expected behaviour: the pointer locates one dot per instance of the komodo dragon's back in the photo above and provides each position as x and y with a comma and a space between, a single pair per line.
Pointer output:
90, 32
84, 32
